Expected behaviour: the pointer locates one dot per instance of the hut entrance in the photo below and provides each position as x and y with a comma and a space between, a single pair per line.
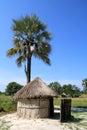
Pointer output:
51, 107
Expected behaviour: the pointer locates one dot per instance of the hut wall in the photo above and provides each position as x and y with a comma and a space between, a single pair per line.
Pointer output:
33, 108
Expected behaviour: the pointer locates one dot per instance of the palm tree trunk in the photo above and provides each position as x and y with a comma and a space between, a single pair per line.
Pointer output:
28, 69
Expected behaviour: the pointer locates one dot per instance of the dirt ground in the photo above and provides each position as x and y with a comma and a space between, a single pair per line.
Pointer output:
11, 122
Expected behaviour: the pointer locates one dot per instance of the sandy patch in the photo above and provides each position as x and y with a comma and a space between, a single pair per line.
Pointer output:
33, 124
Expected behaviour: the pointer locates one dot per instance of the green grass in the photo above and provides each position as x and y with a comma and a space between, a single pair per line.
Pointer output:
78, 122
79, 102
6, 103
76, 102
3, 97
57, 101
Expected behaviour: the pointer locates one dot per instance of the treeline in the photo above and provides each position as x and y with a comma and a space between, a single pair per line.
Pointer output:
66, 90
69, 90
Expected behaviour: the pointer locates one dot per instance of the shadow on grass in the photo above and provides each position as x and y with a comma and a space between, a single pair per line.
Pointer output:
71, 120
78, 116
74, 117
75, 120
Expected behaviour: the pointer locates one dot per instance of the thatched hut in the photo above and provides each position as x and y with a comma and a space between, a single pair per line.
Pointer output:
35, 100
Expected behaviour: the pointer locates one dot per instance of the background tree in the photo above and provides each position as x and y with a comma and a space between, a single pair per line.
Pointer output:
67, 90
12, 88
30, 39
84, 84
56, 87
76, 91
71, 90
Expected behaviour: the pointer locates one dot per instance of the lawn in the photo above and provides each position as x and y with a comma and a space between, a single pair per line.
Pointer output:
76, 102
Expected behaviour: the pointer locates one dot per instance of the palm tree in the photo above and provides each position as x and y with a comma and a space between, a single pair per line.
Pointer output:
30, 39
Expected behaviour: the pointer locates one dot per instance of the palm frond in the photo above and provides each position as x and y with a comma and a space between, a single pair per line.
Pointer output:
43, 48
20, 60
43, 57
44, 35
11, 52
46, 59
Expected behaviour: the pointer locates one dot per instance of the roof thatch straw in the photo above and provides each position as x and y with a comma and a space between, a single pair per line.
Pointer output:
35, 89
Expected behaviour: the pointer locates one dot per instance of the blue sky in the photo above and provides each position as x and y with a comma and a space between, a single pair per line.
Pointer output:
67, 21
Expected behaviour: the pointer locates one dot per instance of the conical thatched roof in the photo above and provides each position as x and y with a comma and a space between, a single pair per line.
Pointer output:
35, 89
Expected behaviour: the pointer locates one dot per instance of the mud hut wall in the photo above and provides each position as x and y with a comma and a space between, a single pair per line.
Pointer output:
33, 108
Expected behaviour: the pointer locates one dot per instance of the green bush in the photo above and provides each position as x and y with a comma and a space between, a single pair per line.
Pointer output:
8, 106
7, 103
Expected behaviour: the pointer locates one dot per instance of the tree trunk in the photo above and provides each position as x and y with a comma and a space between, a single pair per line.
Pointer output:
29, 70
28, 65
28, 73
